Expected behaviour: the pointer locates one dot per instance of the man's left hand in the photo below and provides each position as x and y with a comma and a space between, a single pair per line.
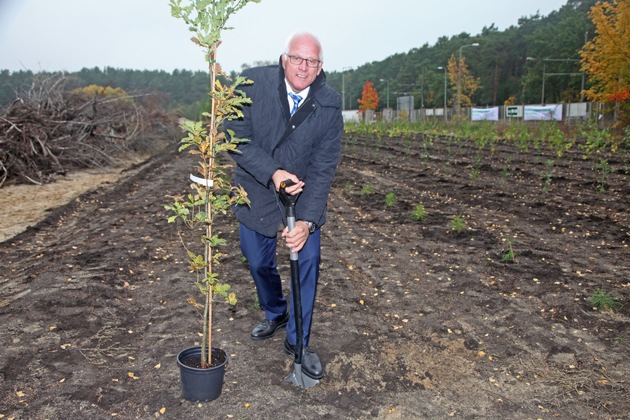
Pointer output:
296, 239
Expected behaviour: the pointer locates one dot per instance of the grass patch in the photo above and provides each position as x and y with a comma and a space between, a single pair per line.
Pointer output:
603, 301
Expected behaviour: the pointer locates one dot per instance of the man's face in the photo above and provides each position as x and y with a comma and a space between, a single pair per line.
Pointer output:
300, 76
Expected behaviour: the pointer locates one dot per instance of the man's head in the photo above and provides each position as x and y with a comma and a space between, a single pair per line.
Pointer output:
305, 49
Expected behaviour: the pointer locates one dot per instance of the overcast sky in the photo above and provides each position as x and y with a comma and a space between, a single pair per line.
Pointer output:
141, 34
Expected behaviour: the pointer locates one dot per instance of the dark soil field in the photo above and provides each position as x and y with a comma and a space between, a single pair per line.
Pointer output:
413, 319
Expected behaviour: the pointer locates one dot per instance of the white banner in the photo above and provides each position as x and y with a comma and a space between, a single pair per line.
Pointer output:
485, 114
578, 110
543, 113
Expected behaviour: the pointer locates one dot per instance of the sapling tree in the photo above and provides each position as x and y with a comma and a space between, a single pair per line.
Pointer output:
390, 199
457, 224
419, 212
211, 191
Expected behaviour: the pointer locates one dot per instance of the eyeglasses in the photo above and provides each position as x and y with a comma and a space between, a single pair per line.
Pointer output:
310, 62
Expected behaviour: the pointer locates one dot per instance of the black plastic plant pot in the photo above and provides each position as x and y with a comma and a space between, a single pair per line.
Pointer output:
200, 384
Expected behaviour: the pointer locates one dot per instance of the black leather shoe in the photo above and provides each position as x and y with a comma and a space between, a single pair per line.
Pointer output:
268, 327
311, 366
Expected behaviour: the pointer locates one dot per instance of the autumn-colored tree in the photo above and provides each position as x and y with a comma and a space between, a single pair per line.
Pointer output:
458, 74
606, 58
510, 101
369, 98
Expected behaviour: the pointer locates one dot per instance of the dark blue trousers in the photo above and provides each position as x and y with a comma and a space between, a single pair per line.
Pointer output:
260, 252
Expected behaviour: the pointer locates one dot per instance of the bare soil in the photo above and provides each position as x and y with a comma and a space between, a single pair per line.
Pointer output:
25, 205
413, 319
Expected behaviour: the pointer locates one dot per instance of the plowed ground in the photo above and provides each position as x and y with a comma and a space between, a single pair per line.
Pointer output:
413, 319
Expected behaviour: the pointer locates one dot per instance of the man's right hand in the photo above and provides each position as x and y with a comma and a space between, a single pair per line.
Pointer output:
282, 175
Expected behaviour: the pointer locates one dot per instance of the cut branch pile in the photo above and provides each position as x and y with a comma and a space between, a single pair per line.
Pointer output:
48, 130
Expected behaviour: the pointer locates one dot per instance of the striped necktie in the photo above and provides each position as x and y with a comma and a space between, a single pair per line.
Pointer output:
296, 102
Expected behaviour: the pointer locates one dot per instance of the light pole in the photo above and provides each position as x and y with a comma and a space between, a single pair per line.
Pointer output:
386, 80
459, 75
343, 87
444, 68
542, 94
526, 72
422, 90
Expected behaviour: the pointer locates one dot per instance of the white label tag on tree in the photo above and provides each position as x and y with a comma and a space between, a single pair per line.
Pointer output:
201, 181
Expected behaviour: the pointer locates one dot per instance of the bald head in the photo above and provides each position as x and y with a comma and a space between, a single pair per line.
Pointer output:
304, 37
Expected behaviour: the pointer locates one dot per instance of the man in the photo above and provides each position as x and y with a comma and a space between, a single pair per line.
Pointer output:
294, 126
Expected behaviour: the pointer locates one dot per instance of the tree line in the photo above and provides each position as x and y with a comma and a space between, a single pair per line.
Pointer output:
182, 92
509, 66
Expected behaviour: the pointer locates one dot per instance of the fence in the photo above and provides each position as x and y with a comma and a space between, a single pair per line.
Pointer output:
567, 112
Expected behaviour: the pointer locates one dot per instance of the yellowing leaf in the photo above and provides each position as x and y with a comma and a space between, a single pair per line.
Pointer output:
162, 410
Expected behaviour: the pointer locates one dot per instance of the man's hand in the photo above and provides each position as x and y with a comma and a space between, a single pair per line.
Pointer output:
297, 237
282, 175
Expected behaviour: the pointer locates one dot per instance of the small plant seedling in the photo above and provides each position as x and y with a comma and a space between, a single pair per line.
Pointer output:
419, 213
476, 170
603, 171
457, 224
508, 254
548, 176
603, 301
390, 199
367, 190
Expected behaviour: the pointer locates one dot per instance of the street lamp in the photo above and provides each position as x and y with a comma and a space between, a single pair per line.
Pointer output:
343, 87
542, 94
444, 68
386, 80
459, 74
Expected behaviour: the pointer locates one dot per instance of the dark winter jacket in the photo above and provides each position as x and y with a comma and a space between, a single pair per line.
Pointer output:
308, 144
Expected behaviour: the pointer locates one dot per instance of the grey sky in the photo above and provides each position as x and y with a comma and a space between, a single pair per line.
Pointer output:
141, 34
